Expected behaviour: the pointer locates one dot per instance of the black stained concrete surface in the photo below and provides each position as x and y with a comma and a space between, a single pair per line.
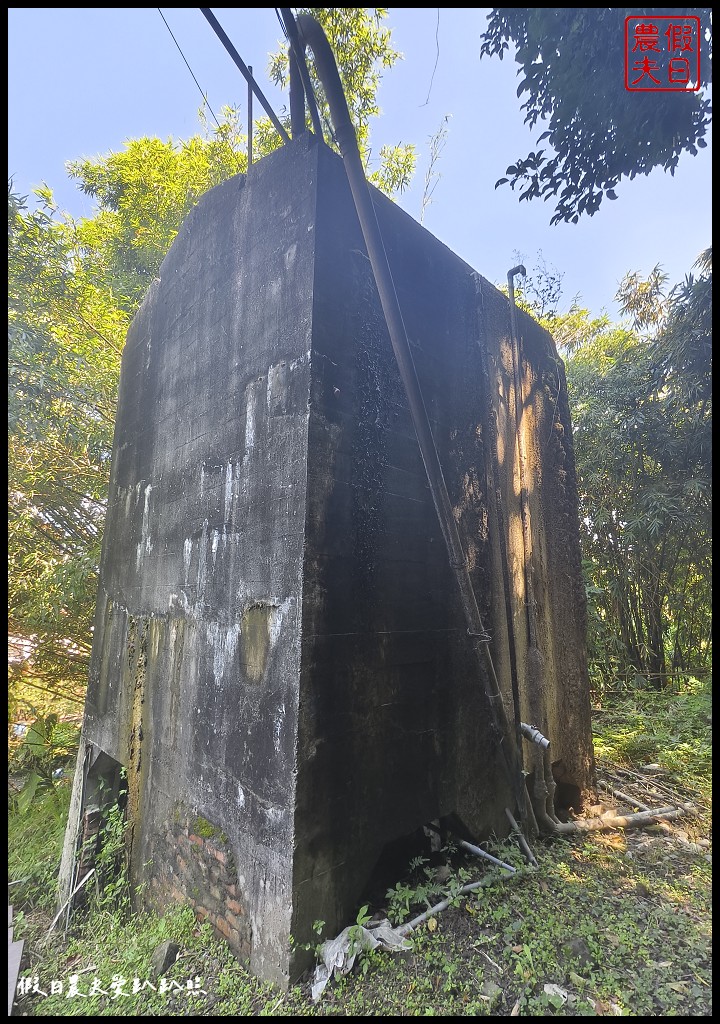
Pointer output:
279, 647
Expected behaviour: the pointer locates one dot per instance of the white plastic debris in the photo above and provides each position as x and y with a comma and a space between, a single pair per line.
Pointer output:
339, 954
555, 990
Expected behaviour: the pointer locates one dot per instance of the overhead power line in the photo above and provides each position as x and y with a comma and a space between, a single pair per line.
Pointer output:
203, 94
437, 58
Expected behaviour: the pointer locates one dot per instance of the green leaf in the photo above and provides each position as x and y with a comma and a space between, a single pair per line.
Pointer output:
27, 794
594, 128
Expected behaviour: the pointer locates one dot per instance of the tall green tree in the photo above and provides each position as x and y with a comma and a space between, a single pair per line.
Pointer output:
641, 400
64, 339
143, 194
73, 289
571, 63
642, 422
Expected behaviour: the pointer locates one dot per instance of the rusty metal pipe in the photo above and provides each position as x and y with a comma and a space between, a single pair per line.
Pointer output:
312, 35
244, 70
299, 70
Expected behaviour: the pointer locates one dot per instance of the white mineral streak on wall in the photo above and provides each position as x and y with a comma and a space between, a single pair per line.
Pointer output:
224, 641
146, 519
145, 543
277, 616
250, 423
273, 815
187, 556
228, 491
274, 382
277, 728
202, 564
304, 358
289, 255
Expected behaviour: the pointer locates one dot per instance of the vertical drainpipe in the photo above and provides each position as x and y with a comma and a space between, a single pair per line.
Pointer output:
311, 34
250, 122
299, 80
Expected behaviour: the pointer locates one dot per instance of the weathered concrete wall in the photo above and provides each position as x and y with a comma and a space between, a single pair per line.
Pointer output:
394, 725
196, 664
279, 648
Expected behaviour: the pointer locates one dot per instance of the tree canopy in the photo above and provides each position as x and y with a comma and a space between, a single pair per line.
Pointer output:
65, 334
641, 402
73, 289
640, 393
571, 63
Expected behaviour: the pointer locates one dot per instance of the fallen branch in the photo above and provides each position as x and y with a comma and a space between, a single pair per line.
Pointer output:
652, 784
623, 796
640, 820
491, 961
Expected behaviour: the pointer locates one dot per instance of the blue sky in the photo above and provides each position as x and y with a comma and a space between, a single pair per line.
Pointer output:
84, 80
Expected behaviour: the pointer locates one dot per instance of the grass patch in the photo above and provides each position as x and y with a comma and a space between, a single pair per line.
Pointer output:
611, 923
671, 729
35, 847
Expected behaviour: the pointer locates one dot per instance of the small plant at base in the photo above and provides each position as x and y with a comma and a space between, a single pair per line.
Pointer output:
456, 883
356, 930
109, 854
357, 945
113, 889
403, 896
315, 947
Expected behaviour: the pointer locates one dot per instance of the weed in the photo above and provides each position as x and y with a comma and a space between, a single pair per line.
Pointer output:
406, 895
39, 759
609, 925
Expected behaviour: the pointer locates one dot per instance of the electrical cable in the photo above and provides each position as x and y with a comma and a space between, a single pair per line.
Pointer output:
204, 95
437, 58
